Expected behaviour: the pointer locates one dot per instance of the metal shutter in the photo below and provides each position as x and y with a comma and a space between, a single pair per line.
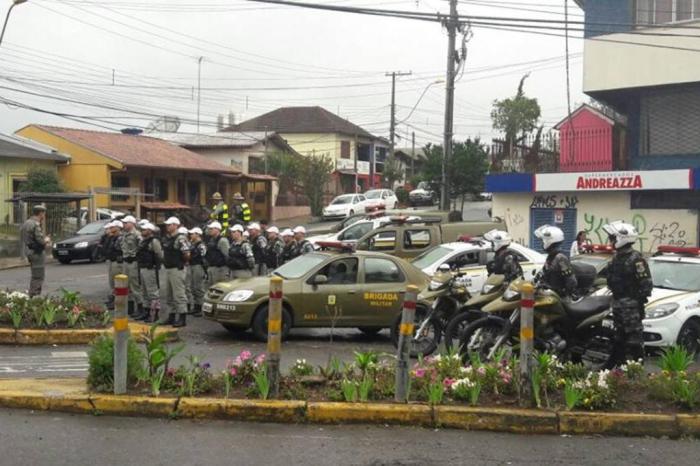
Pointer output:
539, 217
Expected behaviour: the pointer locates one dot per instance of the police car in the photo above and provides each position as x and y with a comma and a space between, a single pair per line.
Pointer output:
673, 310
354, 232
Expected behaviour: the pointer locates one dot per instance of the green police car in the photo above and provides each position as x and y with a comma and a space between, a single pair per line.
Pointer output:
339, 288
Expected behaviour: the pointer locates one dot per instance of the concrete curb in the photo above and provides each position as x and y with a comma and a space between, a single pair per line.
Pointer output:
70, 395
78, 336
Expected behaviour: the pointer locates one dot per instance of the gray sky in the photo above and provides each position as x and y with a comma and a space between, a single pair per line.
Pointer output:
68, 49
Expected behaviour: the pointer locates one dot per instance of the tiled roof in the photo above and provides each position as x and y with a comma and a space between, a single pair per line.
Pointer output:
20, 148
301, 120
224, 139
138, 151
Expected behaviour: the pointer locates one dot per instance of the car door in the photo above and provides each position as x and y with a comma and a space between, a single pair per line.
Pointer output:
383, 286
391, 200
333, 302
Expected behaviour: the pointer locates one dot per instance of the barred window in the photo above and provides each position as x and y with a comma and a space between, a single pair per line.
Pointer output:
669, 123
666, 11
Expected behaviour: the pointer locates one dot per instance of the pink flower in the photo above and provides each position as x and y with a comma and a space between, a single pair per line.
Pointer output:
245, 355
420, 373
234, 371
448, 382
481, 371
238, 361
260, 359
171, 372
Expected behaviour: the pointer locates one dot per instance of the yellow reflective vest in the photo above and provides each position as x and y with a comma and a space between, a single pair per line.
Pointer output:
246, 213
221, 217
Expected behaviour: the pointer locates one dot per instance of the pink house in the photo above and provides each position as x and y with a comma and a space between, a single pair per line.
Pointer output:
590, 141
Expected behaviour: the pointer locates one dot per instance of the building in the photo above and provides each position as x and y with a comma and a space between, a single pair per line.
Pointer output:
651, 77
411, 161
314, 131
18, 156
167, 176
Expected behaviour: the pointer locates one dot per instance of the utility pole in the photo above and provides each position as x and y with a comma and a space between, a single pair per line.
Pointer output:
452, 24
199, 89
392, 129
413, 153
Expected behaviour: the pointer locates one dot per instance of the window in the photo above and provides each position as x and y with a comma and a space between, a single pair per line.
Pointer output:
120, 182
465, 259
340, 272
345, 149
416, 239
193, 193
382, 271
356, 231
666, 11
669, 122
181, 194
384, 241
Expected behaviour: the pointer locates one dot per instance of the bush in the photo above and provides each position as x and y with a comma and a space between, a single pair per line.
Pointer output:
402, 195
101, 360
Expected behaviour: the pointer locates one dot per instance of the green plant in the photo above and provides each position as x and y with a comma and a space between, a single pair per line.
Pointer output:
675, 359
101, 364
366, 360
467, 390
106, 318
301, 368
349, 390
158, 357
572, 395
262, 383
332, 370
70, 298
364, 389
75, 316
16, 317
48, 314
685, 392
435, 392
228, 382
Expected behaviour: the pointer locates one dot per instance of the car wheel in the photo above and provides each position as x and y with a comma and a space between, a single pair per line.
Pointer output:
689, 336
64, 260
370, 331
234, 330
260, 323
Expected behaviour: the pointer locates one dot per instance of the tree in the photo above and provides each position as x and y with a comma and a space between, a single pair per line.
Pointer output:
315, 172
286, 168
392, 171
516, 116
468, 168
42, 180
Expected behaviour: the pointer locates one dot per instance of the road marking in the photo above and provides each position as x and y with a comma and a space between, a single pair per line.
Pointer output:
68, 354
54, 361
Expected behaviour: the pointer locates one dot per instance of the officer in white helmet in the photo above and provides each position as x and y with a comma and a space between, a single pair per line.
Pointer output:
304, 246
557, 273
290, 245
240, 254
176, 255
630, 281
505, 261
217, 254
197, 278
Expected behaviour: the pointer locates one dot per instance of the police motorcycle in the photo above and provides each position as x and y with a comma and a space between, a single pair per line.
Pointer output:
571, 329
447, 293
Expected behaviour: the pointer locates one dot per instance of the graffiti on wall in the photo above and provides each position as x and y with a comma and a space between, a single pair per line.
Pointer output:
554, 202
513, 220
651, 234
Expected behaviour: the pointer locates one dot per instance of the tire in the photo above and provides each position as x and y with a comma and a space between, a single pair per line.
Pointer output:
64, 260
425, 345
456, 326
689, 336
478, 338
370, 331
234, 330
259, 325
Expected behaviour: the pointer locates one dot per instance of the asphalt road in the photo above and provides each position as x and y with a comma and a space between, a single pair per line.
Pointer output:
39, 438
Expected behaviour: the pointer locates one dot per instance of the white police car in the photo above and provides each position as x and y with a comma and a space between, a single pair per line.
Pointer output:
673, 310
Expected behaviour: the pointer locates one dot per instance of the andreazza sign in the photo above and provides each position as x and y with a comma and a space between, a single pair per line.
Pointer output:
615, 181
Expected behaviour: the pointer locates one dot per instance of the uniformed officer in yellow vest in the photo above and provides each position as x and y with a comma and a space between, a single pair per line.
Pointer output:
219, 211
241, 210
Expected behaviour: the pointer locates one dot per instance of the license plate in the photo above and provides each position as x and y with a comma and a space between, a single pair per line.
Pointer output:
62, 253
207, 307
227, 307
608, 323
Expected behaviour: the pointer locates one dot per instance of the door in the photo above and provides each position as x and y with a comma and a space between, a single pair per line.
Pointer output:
331, 303
562, 218
382, 292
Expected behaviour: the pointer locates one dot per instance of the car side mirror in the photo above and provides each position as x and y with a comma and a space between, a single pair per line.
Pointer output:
320, 280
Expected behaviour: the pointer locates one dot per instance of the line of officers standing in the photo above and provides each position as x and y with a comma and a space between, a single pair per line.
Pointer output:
192, 261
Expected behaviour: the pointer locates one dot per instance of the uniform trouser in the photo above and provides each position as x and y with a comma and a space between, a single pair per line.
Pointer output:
629, 331
115, 268
188, 284
36, 281
110, 277
217, 274
260, 270
198, 284
175, 291
151, 289
241, 273
131, 269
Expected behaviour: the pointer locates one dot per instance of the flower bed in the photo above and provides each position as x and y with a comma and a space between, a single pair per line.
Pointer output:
441, 379
18, 311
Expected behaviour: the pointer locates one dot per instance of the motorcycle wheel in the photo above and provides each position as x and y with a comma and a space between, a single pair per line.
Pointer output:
597, 352
424, 344
456, 327
479, 338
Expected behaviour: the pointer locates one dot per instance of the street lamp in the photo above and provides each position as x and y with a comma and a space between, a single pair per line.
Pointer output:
425, 91
7, 17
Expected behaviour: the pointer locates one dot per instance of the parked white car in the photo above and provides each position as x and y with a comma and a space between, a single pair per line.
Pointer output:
382, 199
344, 206
471, 257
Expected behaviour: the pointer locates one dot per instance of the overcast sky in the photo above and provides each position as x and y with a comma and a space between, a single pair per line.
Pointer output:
254, 53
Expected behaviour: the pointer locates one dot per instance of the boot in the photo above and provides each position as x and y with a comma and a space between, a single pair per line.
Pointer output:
130, 308
152, 316
140, 313
197, 312
170, 320
109, 303
180, 320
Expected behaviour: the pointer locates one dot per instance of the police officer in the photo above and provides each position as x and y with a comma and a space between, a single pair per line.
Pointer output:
198, 270
35, 244
188, 270
506, 262
217, 254
242, 212
630, 281
259, 244
290, 245
149, 258
103, 247
240, 254
130, 240
176, 254
275, 248
220, 210
556, 273
114, 251
304, 246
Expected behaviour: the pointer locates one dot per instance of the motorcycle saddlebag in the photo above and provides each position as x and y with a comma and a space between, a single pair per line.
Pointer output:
585, 274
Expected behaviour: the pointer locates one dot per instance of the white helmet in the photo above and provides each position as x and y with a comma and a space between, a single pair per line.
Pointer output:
215, 225
499, 238
621, 233
549, 235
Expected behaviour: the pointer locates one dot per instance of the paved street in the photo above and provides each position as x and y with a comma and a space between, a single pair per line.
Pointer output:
37, 438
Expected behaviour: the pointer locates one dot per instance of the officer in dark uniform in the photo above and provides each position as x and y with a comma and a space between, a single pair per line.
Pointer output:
259, 244
630, 281
556, 273
290, 245
198, 270
304, 246
176, 255
240, 254
114, 253
217, 252
506, 261
275, 248
149, 257
35, 244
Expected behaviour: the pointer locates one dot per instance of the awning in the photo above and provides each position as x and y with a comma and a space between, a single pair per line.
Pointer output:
164, 206
346, 172
49, 197
250, 177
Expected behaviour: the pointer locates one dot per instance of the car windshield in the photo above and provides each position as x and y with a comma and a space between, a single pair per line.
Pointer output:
374, 194
342, 200
682, 276
423, 185
298, 267
431, 256
91, 228
596, 261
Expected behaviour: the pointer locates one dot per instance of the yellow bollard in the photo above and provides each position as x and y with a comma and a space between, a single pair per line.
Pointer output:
406, 329
121, 332
274, 334
527, 334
